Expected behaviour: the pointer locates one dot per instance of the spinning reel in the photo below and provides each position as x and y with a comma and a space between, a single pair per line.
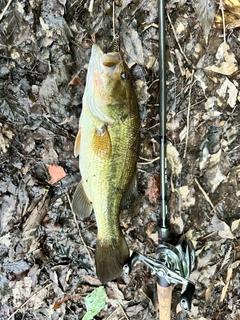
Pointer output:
172, 265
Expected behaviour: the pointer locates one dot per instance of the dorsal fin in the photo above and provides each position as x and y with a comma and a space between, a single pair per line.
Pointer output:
77, 143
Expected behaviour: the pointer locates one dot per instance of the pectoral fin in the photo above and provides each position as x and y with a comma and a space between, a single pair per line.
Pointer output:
130, 194
77, 143
81, 205
102, 145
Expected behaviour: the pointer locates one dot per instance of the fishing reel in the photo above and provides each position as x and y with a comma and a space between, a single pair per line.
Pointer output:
172, 265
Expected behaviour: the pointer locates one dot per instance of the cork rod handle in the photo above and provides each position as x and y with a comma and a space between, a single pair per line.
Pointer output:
164, 302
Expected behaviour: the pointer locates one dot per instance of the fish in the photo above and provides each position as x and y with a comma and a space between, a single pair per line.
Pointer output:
107, 146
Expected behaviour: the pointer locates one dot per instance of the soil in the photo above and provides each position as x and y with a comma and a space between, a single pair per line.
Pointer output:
46, 255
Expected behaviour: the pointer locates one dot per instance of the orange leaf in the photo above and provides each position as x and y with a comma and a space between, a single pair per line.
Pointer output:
56, 173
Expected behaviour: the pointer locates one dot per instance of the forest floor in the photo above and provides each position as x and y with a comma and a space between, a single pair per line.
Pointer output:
46, 267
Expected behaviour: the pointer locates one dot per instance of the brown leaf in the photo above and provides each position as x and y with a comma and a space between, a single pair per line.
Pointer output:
92, 280
58, 303
76, 80
152, 190
232, 6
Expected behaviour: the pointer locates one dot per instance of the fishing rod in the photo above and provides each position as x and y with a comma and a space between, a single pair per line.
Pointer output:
171, 264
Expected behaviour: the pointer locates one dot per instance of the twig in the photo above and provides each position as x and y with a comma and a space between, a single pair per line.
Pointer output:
79, 232
193, 105
223, 20
234, 149
5, 9
123, 311
36, 293
154, 126
209, 235
113, 21
224, 289
176, 38
205, 194
112, 313
90, 8
154, 25
148, 160
188, 115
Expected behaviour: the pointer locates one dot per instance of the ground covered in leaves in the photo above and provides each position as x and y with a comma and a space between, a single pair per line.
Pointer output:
47, 266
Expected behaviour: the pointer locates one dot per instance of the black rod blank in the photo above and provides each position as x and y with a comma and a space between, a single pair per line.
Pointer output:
163, 223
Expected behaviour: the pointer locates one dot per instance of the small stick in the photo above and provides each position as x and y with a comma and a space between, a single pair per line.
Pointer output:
164, 302
176, 38
224, 289
188, 115
90, 8
223, 19
148, 160
5, 9
79, 232
205, 194
123, 311
112, 313
113, 21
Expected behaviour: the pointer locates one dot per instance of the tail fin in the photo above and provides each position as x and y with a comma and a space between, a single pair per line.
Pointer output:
110, 256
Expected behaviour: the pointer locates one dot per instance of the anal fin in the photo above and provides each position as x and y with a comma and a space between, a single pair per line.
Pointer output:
81, 205
130, 194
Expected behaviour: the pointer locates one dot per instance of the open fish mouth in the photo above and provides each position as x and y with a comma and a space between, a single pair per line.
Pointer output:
107, 74
104, 61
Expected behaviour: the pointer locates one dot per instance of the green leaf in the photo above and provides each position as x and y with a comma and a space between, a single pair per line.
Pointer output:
94, 302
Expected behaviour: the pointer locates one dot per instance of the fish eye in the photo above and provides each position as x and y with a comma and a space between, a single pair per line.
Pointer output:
124, 76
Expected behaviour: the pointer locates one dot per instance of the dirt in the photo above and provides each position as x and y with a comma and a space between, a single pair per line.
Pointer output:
46, 256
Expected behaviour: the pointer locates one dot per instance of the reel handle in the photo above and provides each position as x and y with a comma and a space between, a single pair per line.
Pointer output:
186, 297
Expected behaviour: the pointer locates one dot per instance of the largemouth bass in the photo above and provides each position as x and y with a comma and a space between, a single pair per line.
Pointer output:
107, 144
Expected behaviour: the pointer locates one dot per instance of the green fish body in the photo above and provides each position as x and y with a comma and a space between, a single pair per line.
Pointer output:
107, 144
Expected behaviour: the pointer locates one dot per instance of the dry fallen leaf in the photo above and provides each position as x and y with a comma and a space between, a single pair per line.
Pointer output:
226, 62
56, 172
93, 281
76, 80
5, 135
232, 6
229, 92
231, 12
132, 41
205, 11
235, 225
152, 190
222, 228
21, 290
226, 68
174, 159
187, 196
